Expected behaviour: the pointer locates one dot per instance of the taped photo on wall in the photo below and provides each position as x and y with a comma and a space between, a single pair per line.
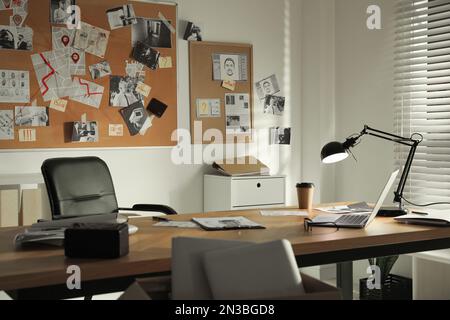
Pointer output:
85, 131
31, 116
274, 105
267, 86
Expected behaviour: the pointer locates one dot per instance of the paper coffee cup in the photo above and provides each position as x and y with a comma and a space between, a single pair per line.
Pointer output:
305, 193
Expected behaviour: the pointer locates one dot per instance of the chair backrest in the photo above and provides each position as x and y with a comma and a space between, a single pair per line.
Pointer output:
79, 186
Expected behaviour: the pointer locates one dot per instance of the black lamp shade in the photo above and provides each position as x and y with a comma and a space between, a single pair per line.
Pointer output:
333, 152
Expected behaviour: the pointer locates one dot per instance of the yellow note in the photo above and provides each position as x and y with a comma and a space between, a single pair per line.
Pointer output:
165, 62
59, 105
27, 135
229, 84
116, 130
143, 89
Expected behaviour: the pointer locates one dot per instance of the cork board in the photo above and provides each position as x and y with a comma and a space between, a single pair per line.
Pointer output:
203, 86
119, 49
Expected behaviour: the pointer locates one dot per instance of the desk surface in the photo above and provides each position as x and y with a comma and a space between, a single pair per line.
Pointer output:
150, 248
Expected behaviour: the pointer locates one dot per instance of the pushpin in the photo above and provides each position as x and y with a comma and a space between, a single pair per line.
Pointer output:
65, 40
75, 57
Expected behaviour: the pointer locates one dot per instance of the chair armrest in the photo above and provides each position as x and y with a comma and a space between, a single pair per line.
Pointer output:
154, 208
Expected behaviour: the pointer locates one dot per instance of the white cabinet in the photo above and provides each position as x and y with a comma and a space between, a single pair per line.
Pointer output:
223, 193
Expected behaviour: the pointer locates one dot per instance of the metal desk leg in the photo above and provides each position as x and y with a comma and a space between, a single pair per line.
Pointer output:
344, 279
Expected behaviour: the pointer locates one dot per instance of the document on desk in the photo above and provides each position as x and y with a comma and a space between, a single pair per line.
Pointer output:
360, 207
178, 224
283, 213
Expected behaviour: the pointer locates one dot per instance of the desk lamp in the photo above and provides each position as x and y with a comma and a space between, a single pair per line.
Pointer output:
335, 152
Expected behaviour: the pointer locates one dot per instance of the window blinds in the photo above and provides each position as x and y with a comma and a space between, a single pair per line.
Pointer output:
422, 95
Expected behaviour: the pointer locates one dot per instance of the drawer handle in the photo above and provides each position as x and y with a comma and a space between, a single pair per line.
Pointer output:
258, 185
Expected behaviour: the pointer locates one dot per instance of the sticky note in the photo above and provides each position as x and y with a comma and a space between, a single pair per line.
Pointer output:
59, 105
27, 135
229, 84
165, 62
116, 130
143, 89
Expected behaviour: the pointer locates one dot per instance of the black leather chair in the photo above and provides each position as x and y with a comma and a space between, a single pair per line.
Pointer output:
83, 186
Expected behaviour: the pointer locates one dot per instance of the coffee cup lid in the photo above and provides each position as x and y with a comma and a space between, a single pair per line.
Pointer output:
305, 185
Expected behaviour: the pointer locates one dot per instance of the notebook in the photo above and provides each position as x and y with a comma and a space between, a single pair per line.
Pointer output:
226, 223
427, 217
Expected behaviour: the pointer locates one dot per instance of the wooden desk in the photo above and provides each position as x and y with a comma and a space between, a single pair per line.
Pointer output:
150, 251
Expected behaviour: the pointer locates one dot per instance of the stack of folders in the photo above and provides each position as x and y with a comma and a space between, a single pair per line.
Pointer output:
426, 217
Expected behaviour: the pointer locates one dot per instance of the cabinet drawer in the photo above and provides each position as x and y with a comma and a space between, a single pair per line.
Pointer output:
257, 192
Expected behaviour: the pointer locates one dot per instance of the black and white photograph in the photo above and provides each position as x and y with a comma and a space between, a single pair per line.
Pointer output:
58, 11
230, 67
193, 32
267, 86
146, 55
122, 91
31, 116
280, 136
135, 116
16, 38
85, 131
121, 16
274, 105
154, 33
14, 86
100, 70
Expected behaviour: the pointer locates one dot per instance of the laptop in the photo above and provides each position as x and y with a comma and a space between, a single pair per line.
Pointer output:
358, 221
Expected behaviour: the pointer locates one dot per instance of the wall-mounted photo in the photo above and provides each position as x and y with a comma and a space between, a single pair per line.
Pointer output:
31, 116
274, 105
122, 91
153, 33
267, 86
146, 55
280, 136
230, 67
16, 38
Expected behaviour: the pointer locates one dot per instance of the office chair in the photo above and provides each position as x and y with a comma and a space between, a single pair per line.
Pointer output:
83, 186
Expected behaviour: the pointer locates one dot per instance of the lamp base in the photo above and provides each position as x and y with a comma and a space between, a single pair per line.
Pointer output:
391, 212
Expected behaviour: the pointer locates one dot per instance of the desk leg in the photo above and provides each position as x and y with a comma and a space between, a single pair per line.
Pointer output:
344, 279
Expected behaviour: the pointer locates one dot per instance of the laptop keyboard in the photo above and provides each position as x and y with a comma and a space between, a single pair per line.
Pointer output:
352, 219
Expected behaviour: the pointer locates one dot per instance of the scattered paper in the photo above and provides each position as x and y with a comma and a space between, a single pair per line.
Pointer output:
146, 55
91, 39
166, 23
177, 224
31, 116
237, 108
62, 38
58, 105
121, 16
86, 92
230, 67
135, 117
115, 130
143, 89
165, 62
229, 84
13, 4
27, 135
280, 136
19, 16
85, 131
14, 86
53, 73
275, 213
267, 86
152, 32
123, 91
207, 108
16, 38
100, 70
6, 125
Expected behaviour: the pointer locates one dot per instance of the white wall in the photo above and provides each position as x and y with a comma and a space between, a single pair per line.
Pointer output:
147, 175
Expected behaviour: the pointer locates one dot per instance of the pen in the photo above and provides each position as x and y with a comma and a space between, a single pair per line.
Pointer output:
420, 213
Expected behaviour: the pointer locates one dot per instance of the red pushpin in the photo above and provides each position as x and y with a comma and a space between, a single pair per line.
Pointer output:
65, 40
75, 57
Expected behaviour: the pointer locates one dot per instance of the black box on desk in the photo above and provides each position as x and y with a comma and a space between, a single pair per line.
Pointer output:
96, 241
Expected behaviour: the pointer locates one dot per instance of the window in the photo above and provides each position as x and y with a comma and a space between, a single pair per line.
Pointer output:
422, 95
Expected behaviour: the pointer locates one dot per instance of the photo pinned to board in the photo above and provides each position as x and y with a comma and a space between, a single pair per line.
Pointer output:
120, 17
134, 69
136, 118
267, 86
85, 131
280, 136
14, 86
100, 70
274, 105
152, 32
31, 116
16, 38
146, 55
230, 67
58, 11
6, 125
237, 109
122, 91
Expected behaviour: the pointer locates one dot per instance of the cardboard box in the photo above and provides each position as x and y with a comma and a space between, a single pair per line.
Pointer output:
239, 167
159, 289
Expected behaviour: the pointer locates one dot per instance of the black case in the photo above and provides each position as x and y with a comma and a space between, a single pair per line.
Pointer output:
96, 241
